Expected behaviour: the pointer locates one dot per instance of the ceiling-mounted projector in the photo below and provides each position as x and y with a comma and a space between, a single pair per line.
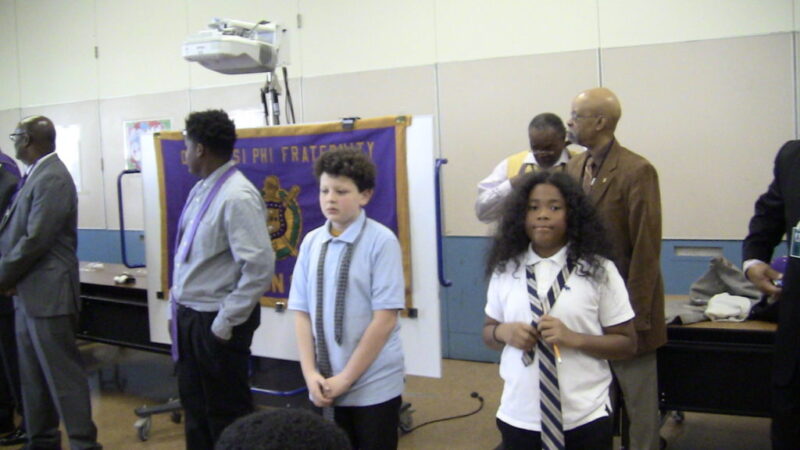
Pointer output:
234, 47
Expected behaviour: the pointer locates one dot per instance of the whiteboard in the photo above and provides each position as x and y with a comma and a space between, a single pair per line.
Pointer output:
275, 337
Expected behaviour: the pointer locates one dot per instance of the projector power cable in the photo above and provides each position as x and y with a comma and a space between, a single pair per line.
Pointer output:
459, 416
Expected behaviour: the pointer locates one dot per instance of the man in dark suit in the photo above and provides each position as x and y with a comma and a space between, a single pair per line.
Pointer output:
623, 186
39, 267
776, 213
10, 394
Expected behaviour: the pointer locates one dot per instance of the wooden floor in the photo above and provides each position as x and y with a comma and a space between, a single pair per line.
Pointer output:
123, 379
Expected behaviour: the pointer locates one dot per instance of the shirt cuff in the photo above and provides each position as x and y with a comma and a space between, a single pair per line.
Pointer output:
221, 329
748, 264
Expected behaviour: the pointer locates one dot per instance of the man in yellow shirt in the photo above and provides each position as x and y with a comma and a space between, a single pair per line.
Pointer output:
548, 151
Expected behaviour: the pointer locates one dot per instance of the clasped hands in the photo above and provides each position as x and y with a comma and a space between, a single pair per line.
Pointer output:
324, 390
524, 336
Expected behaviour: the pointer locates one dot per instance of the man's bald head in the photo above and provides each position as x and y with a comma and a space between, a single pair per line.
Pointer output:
595, 114
603, 102
36, 137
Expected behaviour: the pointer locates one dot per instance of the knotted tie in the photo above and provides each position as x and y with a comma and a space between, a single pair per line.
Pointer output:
549, 392
323, 357
589, 174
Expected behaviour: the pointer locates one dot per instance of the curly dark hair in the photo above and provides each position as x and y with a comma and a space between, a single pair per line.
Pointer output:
350, 163
586, 234
214, 129
283, 428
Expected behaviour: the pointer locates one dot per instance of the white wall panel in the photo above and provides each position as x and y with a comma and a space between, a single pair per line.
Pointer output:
476, 29
485, 118
635, 22
56, 51
9, 118
355, 36
91, 206
113, 113
9, 69
140, 47
245, 97
409, 90
710, 124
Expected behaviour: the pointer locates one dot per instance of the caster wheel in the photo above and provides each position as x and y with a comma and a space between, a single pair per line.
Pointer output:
143, 426
175, 416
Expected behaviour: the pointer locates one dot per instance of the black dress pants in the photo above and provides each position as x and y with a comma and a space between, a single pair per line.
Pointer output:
213, 378
373, 427
594, 435
10, 393
785, 427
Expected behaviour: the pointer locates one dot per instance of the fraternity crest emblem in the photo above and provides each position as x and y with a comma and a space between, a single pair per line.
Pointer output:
284, 219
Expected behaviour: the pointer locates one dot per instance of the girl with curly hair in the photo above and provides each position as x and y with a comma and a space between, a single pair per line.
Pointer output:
558, 309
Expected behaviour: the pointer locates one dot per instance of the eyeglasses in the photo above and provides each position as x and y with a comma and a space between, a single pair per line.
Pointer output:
582, 116
15, 135
587, 116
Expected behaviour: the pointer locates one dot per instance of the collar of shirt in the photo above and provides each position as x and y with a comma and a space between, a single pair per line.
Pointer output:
600, 156
563, 159
351, 233
209, 181
36, 163
559, 259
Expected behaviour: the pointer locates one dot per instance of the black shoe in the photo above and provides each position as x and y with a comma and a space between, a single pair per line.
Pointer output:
7, 428
19, 436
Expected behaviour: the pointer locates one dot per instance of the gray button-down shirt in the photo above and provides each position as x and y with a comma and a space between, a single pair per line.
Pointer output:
231, 261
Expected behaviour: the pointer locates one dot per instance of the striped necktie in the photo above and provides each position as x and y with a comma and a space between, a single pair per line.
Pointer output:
549, 392
323, 356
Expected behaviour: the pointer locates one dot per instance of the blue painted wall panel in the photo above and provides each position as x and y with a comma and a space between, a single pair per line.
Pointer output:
104, 246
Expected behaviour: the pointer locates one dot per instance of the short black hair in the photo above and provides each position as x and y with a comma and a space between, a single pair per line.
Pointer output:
214, 129
41, 130
283, 428
351, 163
548, 120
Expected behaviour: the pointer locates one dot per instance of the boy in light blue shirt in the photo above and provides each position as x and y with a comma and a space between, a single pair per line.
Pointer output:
347, 288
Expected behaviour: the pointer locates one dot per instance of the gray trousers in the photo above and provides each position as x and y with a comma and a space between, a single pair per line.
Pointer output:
638, 379
54, 383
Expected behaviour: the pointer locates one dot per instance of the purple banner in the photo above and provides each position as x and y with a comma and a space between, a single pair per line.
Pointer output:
281, 168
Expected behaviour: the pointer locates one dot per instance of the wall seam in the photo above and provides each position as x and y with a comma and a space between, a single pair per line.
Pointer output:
599, 47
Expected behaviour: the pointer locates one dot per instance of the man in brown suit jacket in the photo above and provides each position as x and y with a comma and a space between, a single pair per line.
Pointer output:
624, 188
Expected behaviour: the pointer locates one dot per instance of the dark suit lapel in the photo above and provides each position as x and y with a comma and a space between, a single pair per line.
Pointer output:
606, 174
10, 210
28, 183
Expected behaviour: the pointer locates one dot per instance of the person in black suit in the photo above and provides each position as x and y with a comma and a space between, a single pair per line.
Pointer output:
776, 213
10, 394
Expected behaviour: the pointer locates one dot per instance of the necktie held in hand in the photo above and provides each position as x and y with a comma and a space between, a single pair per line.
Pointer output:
549, 391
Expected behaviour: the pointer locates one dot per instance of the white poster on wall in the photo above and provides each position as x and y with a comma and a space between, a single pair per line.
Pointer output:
137, 130
68, 148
